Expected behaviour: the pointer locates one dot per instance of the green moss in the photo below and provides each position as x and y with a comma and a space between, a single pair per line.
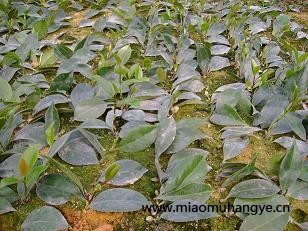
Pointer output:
292, 227
217, 79
301, 17
224, 223
88, 175
264, 148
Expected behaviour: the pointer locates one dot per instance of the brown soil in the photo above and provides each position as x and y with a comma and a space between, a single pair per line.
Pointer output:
89, 220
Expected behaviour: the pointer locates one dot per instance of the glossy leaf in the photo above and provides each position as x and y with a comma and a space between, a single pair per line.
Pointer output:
6, 92
118, 200
165, 135
128, 172
193, 191
187, 131
138, 139
189, 170
56, 189
271, 222
67, 172
232, 147
255, 188
290, 168
186, 216
298, 190
5, 206
27, 160
44, 218
89, 109
52, 117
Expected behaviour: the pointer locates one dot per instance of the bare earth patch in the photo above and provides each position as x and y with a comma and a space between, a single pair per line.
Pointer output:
91, 220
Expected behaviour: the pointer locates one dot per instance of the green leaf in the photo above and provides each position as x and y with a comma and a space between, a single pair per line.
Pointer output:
45, 218
119, 200
106, 85
267, 221
63, 52
240, 174
8, 181
187, 131
52, 117
203, 57
287, 142
48, 58
274, 201
138, 72
128, 173
5, 206
290, 168
6, 92
58, 144
296, 125
280, 24
218, 63
66, 171
185, 216
190, 169
8, 194
124, 54
35, 174
193, 191
28, 160
298, 190
165, 135
71, 152
273, 164
233, 146
304, 173
89, 109
48, 100
41, 29
56, 189
63, 82
92, 138
255, 188
227, 116
111, 171
50, 134
11, 58
138, 139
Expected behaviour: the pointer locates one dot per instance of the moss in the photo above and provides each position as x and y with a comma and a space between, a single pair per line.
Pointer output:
88, 175
262, 147
217, 79
292, 227
224, 223
300, 207
187, 111
301, 18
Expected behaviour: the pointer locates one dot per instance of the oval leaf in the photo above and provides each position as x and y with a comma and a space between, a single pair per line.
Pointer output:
119, 200
255, 188
165, 135
44, 218
138, 139
184, 216
56, 189
129, 172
